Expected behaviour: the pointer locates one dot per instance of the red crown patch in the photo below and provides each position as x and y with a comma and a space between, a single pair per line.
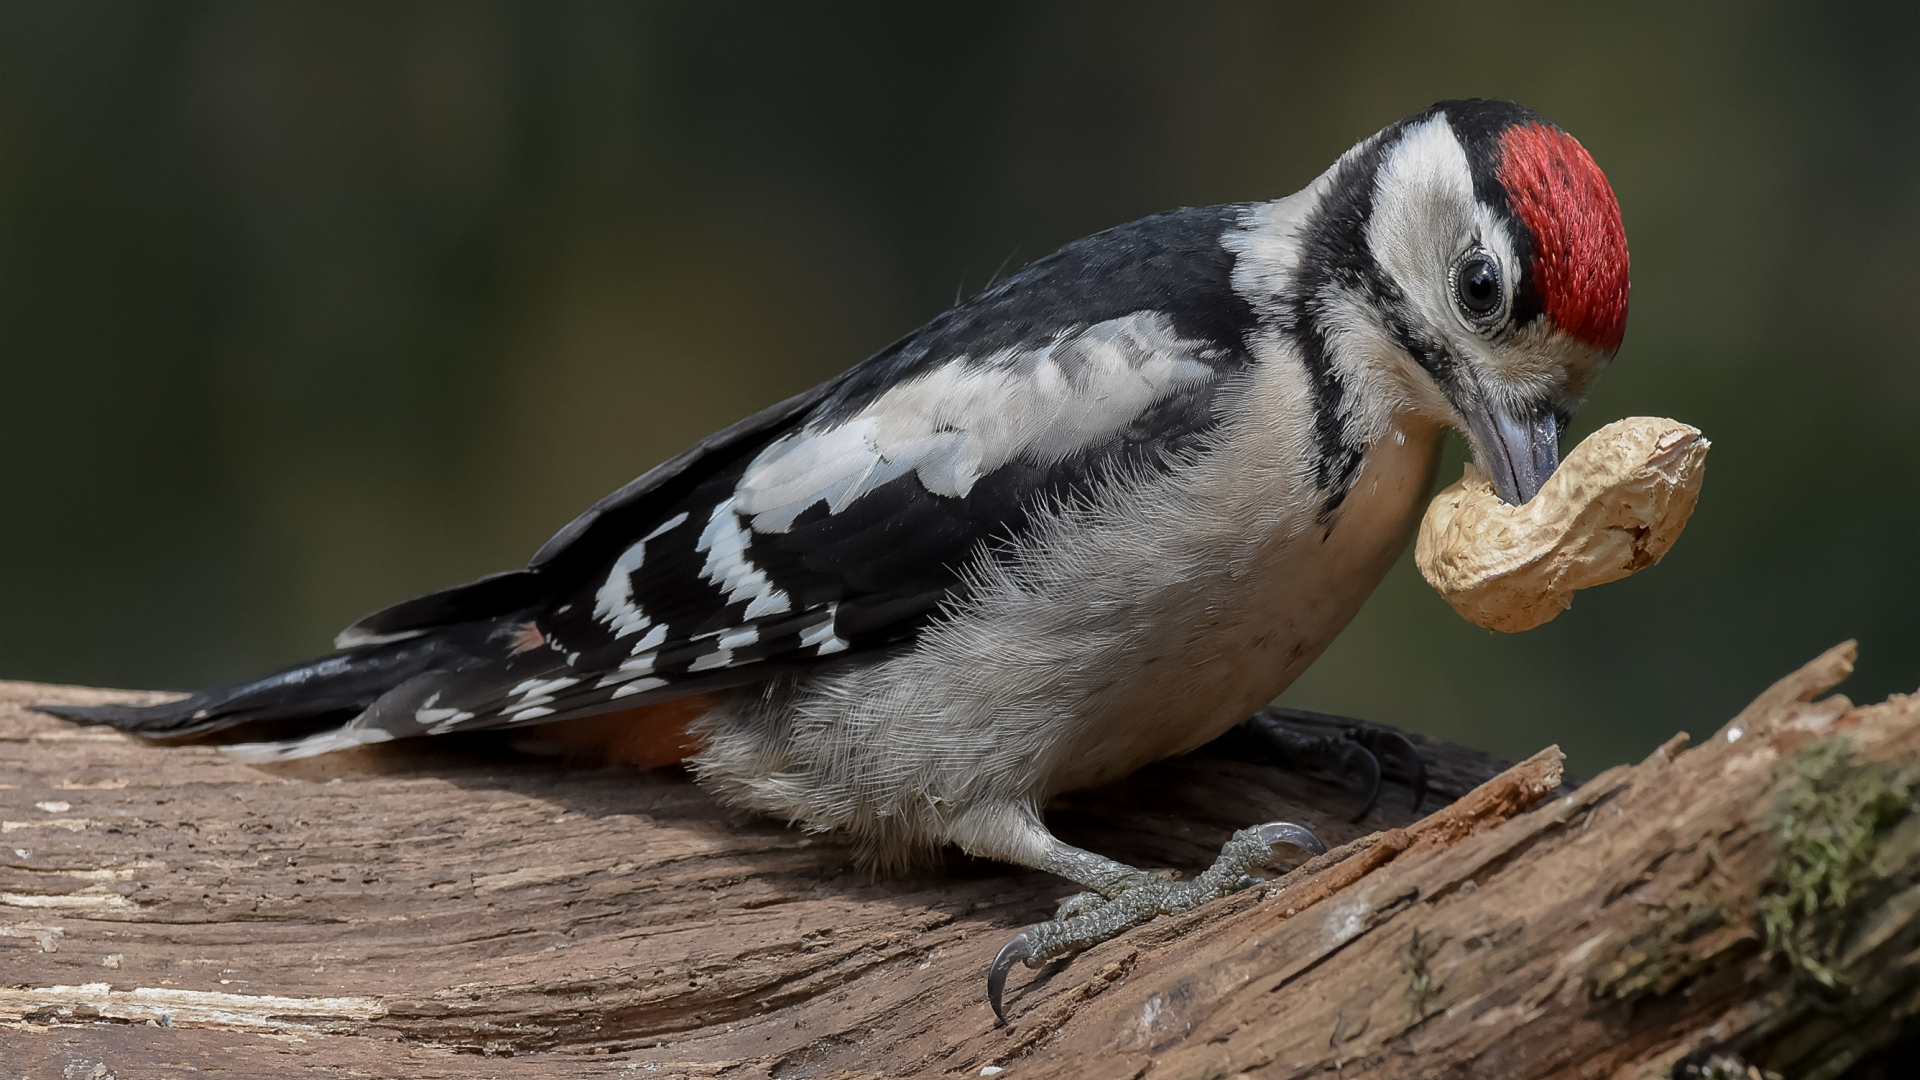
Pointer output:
1579, 247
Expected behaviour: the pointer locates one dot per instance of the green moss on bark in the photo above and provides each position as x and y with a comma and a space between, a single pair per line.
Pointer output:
1829, 828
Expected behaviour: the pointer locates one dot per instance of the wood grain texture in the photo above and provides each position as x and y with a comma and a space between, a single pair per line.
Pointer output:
450, 909
491, 904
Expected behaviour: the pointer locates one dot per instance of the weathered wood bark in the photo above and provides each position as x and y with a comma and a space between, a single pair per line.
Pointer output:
425, 910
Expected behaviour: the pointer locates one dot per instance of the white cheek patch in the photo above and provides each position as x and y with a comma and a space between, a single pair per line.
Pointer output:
1425, 217
966, 418
1422, 213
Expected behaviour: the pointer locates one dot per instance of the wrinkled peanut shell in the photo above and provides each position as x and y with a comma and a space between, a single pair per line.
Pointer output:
1615, 505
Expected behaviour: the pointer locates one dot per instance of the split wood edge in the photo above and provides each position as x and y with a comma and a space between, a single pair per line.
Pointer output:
1616, 983
1627, 930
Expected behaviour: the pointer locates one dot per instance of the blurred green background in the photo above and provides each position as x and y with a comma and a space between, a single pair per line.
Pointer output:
305, 309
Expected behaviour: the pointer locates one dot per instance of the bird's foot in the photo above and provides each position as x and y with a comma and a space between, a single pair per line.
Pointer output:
1087, 919
1307, 741
1080, 903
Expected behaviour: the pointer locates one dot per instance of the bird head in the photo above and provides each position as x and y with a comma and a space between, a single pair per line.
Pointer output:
1489, 251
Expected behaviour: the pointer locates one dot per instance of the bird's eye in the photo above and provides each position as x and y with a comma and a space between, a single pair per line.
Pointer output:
1476, 284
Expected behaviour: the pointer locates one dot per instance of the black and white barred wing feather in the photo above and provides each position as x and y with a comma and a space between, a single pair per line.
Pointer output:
828, 529
843, 536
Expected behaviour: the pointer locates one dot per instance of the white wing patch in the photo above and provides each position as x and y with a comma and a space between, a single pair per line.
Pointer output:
535, 696
631, 669
439, 721
730, 567
639, 687
821, 638
964, 419
948, 427
614, 604
325, 742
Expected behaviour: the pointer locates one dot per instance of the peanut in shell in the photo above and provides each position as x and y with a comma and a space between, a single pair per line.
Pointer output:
1614, 506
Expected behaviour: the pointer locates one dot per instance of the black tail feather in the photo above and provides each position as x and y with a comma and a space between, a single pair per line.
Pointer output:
334, 687
160, 721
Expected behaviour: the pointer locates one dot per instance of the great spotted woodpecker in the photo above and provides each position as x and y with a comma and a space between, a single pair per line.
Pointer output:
1092, 517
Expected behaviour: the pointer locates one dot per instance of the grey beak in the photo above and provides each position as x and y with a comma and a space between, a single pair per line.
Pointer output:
1516, 453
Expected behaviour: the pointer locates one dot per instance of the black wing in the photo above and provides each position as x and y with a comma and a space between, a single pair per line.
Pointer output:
837, 523
842, 527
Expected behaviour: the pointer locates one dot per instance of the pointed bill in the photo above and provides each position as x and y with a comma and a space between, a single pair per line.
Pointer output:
1516, 453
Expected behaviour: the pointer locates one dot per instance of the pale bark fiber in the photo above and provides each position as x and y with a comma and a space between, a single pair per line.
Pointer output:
445, 910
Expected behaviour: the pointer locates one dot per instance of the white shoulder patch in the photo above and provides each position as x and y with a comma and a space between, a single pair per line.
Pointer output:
964, 419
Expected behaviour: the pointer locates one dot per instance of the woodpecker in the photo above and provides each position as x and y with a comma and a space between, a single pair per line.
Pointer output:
1094, 516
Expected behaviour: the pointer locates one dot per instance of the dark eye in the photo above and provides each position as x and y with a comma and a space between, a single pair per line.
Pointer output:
1476, 283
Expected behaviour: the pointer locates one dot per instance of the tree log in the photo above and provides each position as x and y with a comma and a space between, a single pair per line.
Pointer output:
434, 908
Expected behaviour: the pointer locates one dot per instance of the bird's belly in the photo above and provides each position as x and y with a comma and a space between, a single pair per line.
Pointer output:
1244, 638
1117, 646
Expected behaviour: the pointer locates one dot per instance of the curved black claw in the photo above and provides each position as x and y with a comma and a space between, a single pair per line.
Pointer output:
1355, 751
1364, 766
1286, 832
1020, 948
1398, 749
